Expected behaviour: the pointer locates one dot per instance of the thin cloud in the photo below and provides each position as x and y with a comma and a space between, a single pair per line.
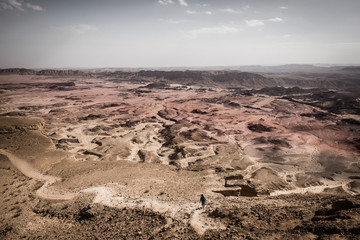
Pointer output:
283, 7
168, 2
172, 21
81, 28
165, 2
254, 23
12, 5
191, 12
230, 10
277, 19
5, 6
34, 7
260, 23
183, 3
221, 30
19, 5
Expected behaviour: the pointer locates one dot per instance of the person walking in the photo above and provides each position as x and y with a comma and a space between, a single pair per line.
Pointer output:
203, 200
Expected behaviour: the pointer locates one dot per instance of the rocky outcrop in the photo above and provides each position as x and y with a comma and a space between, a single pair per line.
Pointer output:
259, 128
150, 157
53, 72
14, 124
17, 71
46, 72
209, 78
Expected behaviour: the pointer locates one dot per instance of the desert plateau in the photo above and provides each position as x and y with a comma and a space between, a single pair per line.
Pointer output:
126, 154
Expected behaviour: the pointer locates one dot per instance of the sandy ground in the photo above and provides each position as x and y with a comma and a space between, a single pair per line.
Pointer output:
109, 160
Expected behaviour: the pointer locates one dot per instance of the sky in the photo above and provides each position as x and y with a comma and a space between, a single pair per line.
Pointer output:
177, 33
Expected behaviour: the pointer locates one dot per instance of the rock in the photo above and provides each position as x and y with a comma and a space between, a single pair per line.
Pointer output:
259, 128
234, 181
88, 152
149, 157
342, 205
137, 140
198, 111
69, 140
18, 71
92, 117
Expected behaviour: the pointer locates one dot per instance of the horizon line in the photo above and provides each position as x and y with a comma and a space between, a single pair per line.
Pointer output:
190, 67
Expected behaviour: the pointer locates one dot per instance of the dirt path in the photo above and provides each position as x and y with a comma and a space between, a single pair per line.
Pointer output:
110, 195
27, 170
200, 222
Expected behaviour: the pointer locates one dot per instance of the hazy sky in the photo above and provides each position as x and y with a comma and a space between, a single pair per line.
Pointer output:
162, 33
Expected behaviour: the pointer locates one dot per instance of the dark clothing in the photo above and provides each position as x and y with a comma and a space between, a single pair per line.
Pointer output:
203, 200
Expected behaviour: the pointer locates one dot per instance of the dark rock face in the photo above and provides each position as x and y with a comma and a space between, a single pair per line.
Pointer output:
229, 192
198, 111
18, 71
146, 156
317, 115
91, 117
84, 214
53, 72
234, 181
330, 101
217, 78
248, 191
159, 85
342, 205
172, 75
87, 152
336, 207
280, 91
244, 190
241, 78
259, 128
69, 140
49, 72
350, 121
62, 84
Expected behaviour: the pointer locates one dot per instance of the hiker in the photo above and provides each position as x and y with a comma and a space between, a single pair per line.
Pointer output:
202, 200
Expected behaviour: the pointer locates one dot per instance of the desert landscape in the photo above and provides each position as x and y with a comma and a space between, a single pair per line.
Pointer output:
126, 154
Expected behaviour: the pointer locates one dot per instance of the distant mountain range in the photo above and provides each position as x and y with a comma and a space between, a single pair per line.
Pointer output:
51, 72
334, 77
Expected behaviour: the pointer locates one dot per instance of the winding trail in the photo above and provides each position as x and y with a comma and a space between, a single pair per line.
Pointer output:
188, 212
200, 222
109, 195
29, 171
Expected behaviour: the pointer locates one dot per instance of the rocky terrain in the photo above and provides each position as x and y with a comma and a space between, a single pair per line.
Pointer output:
126, 155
